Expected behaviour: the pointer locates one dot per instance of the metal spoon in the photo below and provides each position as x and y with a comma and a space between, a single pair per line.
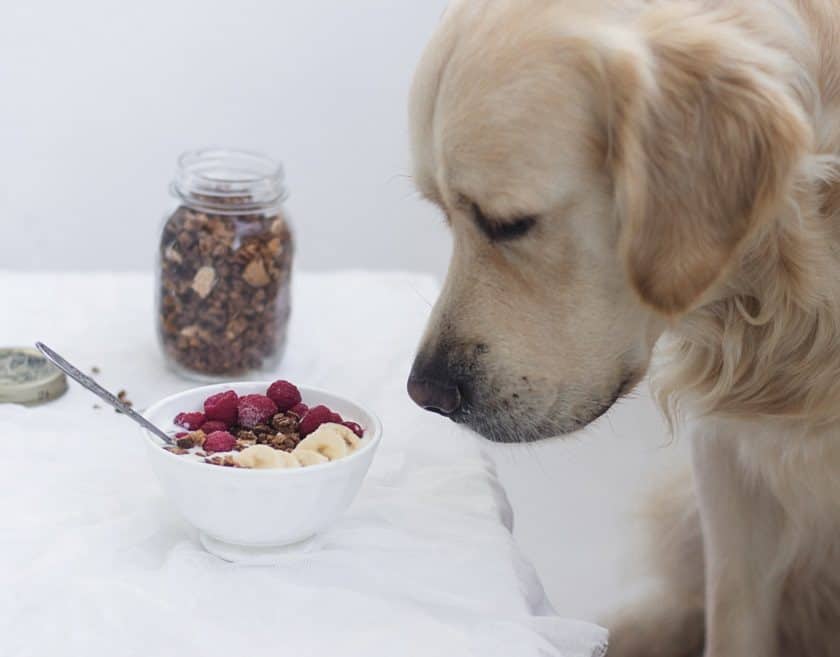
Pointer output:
100, 392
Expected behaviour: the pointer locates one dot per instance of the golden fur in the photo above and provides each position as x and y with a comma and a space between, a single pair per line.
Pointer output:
680, 158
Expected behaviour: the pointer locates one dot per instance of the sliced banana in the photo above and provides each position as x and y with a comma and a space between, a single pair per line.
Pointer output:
285, 460
326, 441
309, 457
350, 438
264, 457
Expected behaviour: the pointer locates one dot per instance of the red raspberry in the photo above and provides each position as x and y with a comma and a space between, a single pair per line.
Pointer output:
336, 418
299, 409
214, 425
191, 421
219, 441
181, 434
314, 418
355, 428
222, 407
284, 394
255, 409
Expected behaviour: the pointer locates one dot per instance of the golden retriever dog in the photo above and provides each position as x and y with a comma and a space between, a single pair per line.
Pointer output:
625, 174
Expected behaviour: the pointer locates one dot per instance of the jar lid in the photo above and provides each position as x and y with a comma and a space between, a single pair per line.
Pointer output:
26, 377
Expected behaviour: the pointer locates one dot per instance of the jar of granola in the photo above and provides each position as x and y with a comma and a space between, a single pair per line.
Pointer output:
224, 266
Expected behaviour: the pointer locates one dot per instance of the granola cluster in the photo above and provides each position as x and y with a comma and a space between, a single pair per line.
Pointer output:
224, 285
281, 432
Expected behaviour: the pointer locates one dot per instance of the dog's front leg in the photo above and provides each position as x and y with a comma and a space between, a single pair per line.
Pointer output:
741, 525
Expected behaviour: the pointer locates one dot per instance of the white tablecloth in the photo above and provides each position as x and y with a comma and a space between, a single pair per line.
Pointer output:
94, 562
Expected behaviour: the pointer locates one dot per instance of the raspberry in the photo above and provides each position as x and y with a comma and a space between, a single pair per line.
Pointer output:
222, 407
355, 428
314, 418
284, 394
255, 409
300, 409
336, 418
214, 425
191, 421
219, 441
182, 434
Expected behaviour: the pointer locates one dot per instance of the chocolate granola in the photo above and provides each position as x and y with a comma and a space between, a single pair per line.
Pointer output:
282, 433
224, 289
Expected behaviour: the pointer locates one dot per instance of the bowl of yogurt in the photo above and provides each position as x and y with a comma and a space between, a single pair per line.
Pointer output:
281, 478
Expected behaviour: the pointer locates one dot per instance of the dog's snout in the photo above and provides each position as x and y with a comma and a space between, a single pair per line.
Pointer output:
432, 386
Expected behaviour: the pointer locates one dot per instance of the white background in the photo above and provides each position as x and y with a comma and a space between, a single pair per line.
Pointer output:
99, 98
97, 101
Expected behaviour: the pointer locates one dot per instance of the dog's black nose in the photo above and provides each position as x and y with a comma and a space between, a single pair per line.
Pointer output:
431, 386
434, 396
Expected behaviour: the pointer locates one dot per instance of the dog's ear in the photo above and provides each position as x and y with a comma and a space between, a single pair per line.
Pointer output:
703, 142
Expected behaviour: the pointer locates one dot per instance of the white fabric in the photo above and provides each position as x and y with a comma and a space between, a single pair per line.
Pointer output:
94, 562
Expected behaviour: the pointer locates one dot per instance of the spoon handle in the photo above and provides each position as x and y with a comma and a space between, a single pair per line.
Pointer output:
99, 391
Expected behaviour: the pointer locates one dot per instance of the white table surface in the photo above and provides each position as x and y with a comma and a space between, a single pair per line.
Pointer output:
94, 562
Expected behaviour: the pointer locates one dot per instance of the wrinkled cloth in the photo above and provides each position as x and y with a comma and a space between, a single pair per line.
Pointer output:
94, 561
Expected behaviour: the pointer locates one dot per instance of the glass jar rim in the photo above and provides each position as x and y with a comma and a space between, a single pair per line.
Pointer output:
229, 181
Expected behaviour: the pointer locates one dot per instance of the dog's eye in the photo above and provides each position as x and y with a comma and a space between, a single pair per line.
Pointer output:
502, 231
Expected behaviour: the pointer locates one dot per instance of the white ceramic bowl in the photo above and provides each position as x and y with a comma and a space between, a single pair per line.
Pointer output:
251, 515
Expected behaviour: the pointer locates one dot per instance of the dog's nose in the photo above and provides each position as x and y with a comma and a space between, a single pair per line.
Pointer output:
434, 396
432, 388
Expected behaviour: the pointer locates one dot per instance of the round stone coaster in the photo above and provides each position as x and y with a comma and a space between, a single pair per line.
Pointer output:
26, 377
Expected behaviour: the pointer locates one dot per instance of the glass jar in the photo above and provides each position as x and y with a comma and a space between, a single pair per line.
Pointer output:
224, 266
